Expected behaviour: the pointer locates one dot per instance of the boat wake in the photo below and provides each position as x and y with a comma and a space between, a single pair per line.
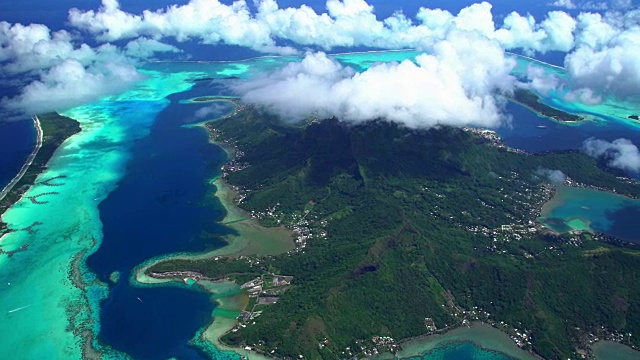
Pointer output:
18, 309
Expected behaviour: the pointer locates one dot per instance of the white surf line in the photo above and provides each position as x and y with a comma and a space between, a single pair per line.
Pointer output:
18, 309
23, 170
535, 60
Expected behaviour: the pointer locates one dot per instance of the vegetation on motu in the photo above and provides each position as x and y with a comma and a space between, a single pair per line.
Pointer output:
401, 209
532, 101
55, 130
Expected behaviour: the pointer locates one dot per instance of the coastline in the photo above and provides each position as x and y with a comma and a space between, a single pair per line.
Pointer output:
480, 334
604, 350
4, 206
59, 129
541, 115
250, 238
28, 162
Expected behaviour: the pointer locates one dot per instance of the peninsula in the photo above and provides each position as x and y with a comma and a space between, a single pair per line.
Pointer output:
403, 233
532, 101
52, 129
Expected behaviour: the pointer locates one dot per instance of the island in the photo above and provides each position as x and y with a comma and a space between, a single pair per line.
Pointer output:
532, 101
401, 234
634, 117
52, 129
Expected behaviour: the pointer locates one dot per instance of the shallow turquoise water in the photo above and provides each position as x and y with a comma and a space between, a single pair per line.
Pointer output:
461, 351
607, 350
601, 211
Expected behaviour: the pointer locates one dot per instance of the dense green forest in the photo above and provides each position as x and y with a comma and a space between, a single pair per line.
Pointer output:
399, 208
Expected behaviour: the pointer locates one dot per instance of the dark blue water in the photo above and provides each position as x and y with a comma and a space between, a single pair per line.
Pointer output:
624, 223
162, 205
17, 139
524, 133
157, 326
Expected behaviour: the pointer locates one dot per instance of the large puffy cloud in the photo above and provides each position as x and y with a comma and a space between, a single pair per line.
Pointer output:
605, 60
601, 61
346, 23
67, 72
208, 20
554, 33
456, 85
25, 48
69, 84
33, 47
621, 153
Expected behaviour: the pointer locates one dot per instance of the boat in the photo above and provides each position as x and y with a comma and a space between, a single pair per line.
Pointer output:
541, 126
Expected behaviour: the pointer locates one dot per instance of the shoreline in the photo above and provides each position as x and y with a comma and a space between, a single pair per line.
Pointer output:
543, 116
480, 334
61, 128
251, 238
28, 162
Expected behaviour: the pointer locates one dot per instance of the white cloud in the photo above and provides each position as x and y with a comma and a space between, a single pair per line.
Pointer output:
207, 111
601, 60
612, 69
346, 23
593, 5
68, 72
34, 47
555, 176
540, 80
26, 48
583, 95
69, 84
621, 153
567, 4
144, 48
456, 85
207, 20
602, 55
553, 33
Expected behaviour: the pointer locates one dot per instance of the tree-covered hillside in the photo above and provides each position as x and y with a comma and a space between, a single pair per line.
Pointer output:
399, 234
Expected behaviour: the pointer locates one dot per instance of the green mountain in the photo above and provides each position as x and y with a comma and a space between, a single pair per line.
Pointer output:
399, 233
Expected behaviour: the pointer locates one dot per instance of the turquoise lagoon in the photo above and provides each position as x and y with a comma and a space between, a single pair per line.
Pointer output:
52, 302
592, 210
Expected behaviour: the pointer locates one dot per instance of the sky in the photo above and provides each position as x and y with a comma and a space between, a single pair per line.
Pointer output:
91, 49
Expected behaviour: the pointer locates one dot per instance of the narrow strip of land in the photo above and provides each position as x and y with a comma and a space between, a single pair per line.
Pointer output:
52, 129
27, 163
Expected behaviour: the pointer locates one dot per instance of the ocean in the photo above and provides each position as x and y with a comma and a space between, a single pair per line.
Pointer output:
138, 188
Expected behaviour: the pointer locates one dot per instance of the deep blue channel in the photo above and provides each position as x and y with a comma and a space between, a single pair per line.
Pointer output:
162, 205
17, 139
